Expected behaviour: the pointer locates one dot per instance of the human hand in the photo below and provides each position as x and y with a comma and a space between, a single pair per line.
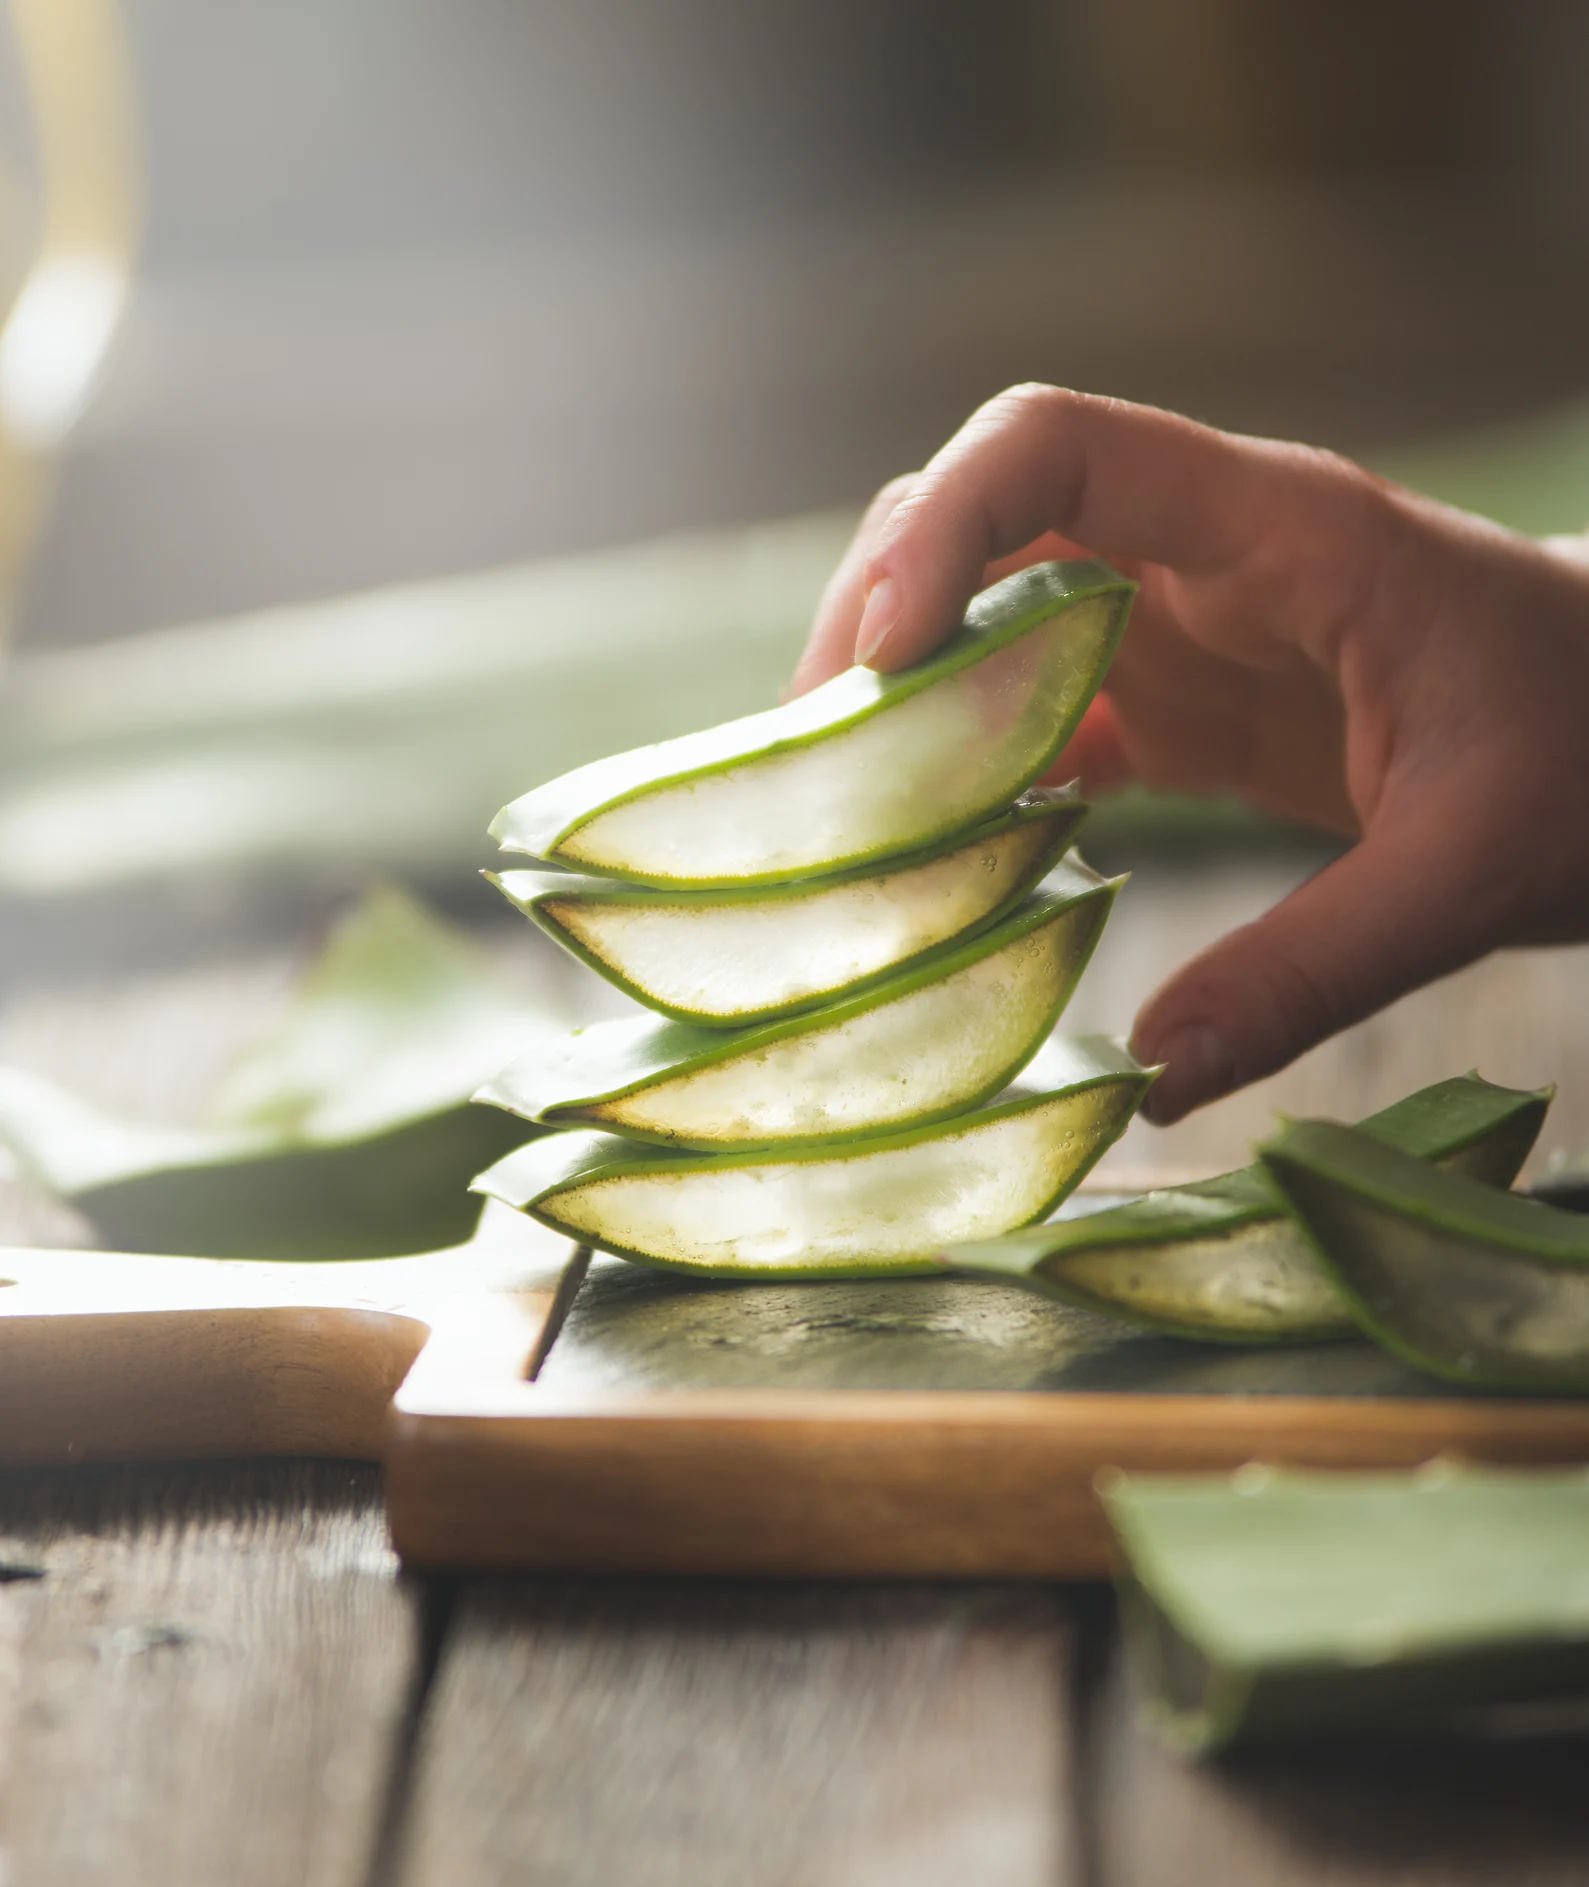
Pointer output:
1329, 647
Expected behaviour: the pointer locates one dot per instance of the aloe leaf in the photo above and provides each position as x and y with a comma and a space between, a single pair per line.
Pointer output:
730, 958
1270, 1604
366, 732
346, 1132
1219, 1260
931, 1041
869, 1208
863, 768
1470, 1283
398, 1015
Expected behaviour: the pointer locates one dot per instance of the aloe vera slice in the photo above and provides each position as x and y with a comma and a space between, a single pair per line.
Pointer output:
863, 768
345, 1133
1271, 1604
869, 1208
931, 1041
729, 958
1220, 1260
1463, 1280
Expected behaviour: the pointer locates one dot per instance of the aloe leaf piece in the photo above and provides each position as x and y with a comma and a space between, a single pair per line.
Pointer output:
1470, 1283
730, 958
366, 732
870, 1208
1219, 1259
863, 768
346, 1132
1271, 1604
931, 1041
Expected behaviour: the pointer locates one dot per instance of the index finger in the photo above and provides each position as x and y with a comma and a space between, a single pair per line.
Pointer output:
1127, 481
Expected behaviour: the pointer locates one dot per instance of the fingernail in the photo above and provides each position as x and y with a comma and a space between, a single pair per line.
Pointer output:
877, 618
1198, 1067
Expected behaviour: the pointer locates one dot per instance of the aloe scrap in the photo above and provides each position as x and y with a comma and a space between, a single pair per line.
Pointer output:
345, 1132
1472, 1284
864, 768
870, 1207
727, 958
1221, 1260
929, 1042
1271, 1604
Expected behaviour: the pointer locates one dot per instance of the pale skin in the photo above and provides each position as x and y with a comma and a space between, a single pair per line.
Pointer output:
1329, 647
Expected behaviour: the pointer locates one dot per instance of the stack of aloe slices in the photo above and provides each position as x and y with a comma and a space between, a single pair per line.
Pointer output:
855, 927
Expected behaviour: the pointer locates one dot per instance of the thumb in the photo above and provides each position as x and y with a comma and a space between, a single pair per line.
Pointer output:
1398, 910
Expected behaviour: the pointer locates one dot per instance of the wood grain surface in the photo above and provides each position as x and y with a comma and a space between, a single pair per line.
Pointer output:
714, 1736
207, 1681
217, 1676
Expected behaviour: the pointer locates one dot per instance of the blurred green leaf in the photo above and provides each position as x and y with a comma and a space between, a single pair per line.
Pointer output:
344, 1132
1531, 475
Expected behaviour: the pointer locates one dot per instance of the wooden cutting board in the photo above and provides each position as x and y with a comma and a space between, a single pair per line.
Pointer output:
538, 1409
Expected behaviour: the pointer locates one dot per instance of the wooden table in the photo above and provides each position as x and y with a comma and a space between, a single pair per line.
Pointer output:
216, 1673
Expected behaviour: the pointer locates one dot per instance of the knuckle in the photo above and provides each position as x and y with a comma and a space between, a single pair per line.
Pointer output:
1304, 1009
892, 495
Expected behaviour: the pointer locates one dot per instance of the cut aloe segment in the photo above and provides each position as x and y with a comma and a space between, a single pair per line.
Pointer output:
863, 768
1220, 1260
927, 1043
345, 1133
729, 958
1465, 1281
1270, 1604
875, 1206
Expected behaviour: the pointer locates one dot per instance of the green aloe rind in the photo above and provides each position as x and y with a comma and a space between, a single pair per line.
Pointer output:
934, 1040
1220, 1260
1467, 1282
1270, 1604
346, 1132
865, 767
730, 958
874, 1207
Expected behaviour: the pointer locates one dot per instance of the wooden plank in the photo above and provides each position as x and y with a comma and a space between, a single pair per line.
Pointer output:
209, 1682
718, 1736
907, 1427
1417, 1814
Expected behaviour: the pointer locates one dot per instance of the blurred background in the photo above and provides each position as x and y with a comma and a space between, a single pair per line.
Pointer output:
431, 284
416, 289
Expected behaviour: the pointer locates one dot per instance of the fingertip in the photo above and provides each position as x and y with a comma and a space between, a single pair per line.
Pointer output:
1198, 1067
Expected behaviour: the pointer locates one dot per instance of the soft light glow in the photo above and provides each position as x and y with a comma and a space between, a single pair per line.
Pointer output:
53, 344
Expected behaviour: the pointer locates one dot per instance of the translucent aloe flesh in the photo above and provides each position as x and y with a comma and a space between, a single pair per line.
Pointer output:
729, 958
927, 1043
872, 1207
345, 1132
1470, 1283
1220, 1259
1273, 1604
865, 767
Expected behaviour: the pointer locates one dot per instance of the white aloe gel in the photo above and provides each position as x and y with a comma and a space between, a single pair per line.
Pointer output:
709, 960
853, 1210
1259, 1280
826, 889
890, 1062
865, 767
864, 795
